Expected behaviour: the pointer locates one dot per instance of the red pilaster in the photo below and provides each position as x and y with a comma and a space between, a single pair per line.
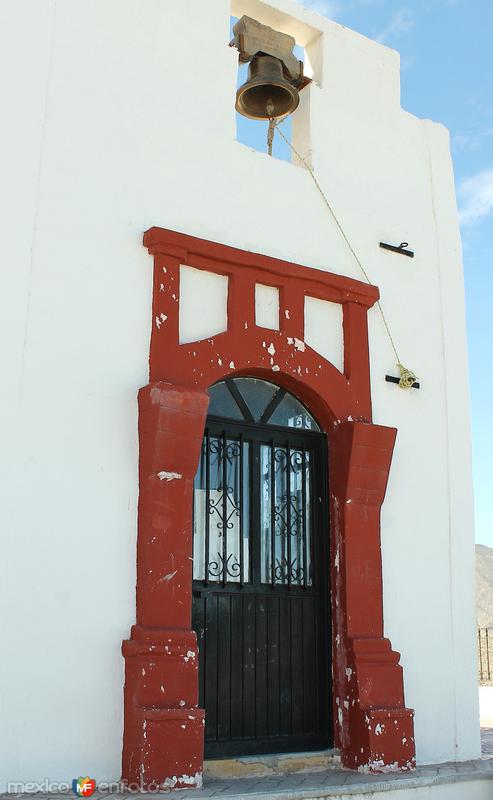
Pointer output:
163, 738
374, 729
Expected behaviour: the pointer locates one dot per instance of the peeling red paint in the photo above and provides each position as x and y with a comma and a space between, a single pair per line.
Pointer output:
163, 736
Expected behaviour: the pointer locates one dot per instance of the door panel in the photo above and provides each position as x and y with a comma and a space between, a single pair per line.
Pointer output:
260, 590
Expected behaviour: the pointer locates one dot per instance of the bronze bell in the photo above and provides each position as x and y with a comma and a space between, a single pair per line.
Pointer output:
266, 94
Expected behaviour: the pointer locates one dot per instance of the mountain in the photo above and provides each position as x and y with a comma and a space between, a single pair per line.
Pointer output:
484, 586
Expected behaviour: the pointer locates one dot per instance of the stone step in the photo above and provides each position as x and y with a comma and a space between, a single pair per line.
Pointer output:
272, 764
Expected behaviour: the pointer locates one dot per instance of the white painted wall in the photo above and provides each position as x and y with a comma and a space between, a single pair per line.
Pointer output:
266, 306
107, 129
323, 330
486, 706
198, 320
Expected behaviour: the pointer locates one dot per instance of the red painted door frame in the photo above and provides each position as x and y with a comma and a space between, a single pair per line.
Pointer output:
163, 735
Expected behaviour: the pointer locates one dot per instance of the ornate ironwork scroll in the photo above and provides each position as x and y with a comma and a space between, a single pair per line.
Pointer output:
220, 545
285, 515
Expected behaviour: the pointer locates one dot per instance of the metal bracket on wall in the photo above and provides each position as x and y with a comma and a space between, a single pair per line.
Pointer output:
401, 248
393, 379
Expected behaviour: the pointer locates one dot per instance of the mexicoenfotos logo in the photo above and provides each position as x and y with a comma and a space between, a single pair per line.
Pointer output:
84, 787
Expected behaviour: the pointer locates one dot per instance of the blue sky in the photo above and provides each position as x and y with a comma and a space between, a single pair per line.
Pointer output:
447, 75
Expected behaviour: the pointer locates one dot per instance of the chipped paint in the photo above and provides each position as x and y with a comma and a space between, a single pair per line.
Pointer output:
378, 765
160, 319
186, 780
167, 578
169, 476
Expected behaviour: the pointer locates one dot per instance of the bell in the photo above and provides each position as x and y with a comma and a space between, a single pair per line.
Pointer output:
266, 94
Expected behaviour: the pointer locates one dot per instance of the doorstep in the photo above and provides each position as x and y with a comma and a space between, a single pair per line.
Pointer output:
270, 765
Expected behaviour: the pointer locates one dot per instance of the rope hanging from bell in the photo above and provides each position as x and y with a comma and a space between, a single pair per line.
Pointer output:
407, 377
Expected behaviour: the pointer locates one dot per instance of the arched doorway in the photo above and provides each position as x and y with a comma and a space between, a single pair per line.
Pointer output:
164, 727
260, 576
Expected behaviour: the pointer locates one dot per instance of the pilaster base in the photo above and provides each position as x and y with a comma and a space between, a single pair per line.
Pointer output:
164, 729
382, 741
381, 737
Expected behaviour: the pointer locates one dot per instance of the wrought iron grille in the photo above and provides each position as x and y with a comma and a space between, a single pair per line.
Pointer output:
221, 511
285, 515
226, 549
485, 655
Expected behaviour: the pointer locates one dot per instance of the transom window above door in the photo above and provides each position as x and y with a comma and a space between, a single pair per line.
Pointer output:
258, 401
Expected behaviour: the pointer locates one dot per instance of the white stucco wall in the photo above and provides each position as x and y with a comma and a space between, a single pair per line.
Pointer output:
111, 125
486, 706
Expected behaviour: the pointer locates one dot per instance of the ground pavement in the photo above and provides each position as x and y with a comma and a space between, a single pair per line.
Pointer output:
322, 784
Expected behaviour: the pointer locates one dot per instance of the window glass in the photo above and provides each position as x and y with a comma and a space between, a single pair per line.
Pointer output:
257, 394
291, 414
222, 402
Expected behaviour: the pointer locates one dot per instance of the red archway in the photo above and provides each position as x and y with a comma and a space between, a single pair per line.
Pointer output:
163, 736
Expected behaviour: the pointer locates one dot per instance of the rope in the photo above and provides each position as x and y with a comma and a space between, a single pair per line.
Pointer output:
270, 136
406, 376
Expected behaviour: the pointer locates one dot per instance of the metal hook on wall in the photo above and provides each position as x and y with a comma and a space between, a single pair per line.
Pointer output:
401, 248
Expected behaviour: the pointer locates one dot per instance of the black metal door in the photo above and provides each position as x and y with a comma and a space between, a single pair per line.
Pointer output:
260, 590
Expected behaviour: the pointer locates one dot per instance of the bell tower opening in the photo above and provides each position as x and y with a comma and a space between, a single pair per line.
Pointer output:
273, 80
